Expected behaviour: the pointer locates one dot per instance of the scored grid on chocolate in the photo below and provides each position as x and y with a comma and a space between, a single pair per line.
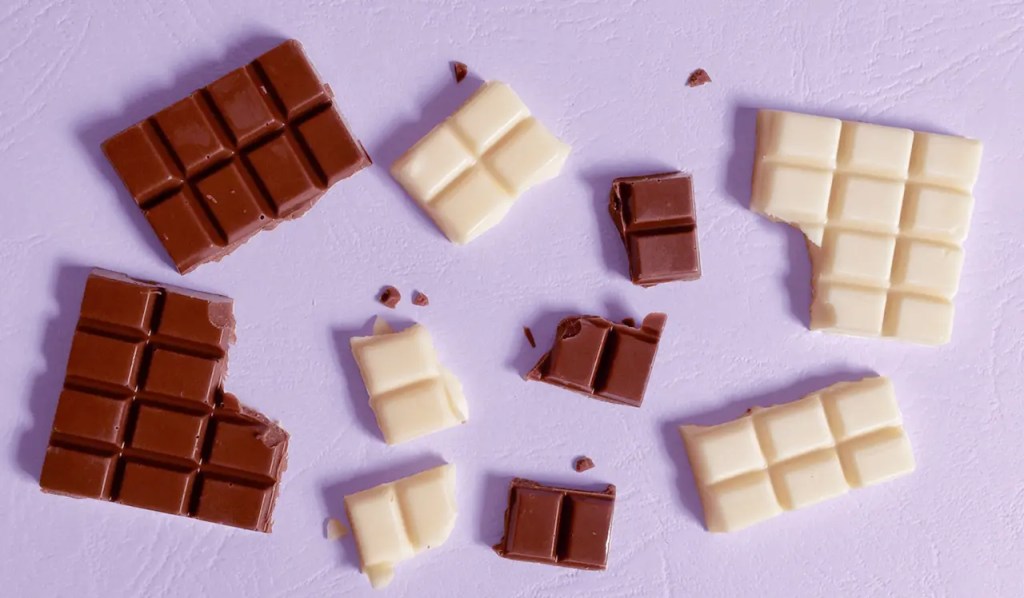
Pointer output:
886, 210
258, 145
142, 419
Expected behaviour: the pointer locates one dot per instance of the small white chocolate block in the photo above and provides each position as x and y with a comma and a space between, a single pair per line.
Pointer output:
396, 521
468, 171
411, 393
797, 454
886, 211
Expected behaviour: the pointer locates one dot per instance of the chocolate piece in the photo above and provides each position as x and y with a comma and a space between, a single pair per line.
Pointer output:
583, 464
602, 359
143, 420
460, 70
255, 147
420, 299
390, 296
657, 222
557, 526
334, 530
697, 78
529, 336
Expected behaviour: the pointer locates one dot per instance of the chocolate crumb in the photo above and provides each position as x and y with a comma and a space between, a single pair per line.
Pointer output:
529, 336
697, 78
334, 530
460, 70
390, 296
583, 464
629, 322
420, 299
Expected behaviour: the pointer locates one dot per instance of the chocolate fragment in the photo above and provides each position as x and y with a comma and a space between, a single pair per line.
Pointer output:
390, 296
629, 322
460, 70
255, 147
657, 222
583, 464
334, 530
557, 526
143, 419
529, 336
602, 359
420, 299
697, 78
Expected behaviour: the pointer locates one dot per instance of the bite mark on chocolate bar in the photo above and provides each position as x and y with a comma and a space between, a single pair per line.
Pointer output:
460, 70
583, 464
389, 296
529, 336
420, 299
697, 78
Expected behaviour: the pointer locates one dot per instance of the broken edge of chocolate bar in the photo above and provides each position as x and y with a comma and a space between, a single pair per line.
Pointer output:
697, 78
389, 296
557, 526
601, 359
459, 70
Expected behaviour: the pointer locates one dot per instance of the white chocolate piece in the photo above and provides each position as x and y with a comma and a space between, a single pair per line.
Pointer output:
467, 172
411, 394
885, 212
797, 454
334, 530
396, 521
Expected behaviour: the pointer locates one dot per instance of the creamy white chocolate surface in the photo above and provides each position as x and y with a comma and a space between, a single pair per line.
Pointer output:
411, 393
468, 171
797, 454
885, 211
396, 521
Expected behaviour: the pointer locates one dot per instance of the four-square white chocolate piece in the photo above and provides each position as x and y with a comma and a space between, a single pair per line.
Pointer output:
885, 212
468, 170
796, 454
411, 393
396, 521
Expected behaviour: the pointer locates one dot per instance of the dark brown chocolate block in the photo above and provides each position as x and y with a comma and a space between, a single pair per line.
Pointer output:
602, 359
656, 218
557, 526
255, 147
143, 419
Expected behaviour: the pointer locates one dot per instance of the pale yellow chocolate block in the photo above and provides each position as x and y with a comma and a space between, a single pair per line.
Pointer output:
396, 521
797, 454
468, 171
411, 393
885, 211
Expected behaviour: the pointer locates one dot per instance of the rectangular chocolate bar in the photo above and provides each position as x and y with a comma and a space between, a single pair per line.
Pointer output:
255, 147
656, 218
143, 419
602, 359
557, 526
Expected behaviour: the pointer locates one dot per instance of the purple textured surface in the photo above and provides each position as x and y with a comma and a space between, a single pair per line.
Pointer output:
608, 77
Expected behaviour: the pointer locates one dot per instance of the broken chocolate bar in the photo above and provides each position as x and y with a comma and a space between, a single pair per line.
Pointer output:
143, 420
602, 359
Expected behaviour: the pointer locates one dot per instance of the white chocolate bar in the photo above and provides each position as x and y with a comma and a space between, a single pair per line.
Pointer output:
411, 393
396, 521
885, 212
468, 170
794, 455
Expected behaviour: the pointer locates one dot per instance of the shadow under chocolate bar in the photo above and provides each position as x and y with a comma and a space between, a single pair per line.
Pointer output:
255, 147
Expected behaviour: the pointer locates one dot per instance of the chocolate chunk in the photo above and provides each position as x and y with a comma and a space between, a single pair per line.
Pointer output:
169, 438
583, 464
460, 70
420, 299
657, 222
390, 296
529, 336
557, 526
258, 146
697, 78
601, 359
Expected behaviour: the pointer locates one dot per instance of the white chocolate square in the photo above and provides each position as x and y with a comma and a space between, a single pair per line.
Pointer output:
888, 225
847, 435
411, 394
396, 521
468, 171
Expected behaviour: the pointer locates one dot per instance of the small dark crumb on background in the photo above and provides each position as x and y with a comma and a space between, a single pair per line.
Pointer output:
529, 336
583, 464
460, 70
697, 78
390, 296
629, 322
420, 299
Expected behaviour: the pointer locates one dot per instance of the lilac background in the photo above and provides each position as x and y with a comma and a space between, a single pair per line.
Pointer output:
608, 77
